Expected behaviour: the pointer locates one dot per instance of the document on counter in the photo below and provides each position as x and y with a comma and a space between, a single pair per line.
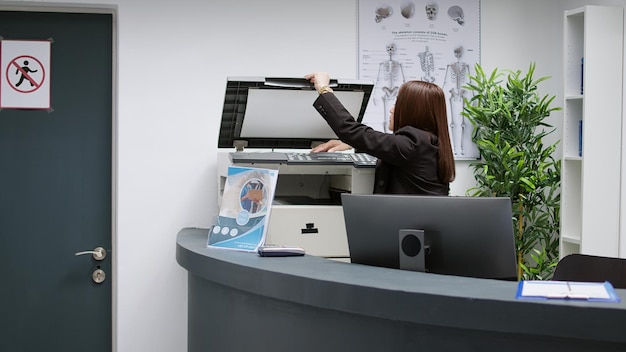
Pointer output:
244, 210
587, 291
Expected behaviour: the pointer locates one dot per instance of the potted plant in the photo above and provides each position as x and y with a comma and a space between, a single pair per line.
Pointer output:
509, 115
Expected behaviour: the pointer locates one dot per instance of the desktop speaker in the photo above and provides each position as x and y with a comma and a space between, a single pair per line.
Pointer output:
412, 248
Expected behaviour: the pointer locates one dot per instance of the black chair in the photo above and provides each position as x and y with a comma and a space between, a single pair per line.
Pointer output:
590, 268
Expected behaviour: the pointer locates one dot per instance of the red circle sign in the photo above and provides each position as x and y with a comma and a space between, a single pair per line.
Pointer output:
24, 80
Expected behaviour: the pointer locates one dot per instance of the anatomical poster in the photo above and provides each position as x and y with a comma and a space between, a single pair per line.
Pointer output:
434, 41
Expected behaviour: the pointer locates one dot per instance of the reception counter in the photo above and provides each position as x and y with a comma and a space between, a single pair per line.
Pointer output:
238, 301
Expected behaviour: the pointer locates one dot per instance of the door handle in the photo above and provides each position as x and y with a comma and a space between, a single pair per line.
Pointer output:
98, 253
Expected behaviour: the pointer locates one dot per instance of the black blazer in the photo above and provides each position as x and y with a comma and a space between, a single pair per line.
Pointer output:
407, 159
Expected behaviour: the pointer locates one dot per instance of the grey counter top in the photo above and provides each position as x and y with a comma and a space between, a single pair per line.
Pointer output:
401, 296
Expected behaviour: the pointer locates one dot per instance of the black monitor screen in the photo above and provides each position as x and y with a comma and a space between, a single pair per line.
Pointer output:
463, 236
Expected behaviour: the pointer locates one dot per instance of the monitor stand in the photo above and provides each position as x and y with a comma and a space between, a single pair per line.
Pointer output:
413, 246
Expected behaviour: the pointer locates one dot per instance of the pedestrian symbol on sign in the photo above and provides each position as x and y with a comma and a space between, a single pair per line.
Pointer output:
27, 69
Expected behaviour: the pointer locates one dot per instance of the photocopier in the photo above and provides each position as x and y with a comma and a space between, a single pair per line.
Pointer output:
271, 123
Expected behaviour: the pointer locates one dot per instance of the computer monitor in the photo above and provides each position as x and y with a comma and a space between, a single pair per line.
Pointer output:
462, 236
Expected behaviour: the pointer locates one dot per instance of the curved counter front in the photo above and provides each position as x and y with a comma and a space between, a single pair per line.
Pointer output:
239, 301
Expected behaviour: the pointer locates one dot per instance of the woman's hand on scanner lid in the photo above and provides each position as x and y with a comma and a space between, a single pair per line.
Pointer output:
333, 145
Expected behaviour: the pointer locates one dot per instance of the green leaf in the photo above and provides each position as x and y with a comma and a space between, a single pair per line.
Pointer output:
509, 119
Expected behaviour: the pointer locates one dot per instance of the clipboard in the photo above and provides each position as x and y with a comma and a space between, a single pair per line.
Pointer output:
567, 290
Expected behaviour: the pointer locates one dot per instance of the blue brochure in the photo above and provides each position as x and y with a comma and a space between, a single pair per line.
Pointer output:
244, 210
588, 291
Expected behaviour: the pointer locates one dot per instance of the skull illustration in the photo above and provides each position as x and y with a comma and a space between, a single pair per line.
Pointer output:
431, 11
382, 12
407, 9
456, 14
391, 48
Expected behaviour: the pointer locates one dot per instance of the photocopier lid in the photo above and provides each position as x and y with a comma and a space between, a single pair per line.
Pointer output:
278, 112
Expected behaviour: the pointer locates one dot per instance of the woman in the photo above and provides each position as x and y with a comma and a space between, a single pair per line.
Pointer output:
417, 158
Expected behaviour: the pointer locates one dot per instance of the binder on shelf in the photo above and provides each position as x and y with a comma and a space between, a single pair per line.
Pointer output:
580, 138
582, 74
567, 290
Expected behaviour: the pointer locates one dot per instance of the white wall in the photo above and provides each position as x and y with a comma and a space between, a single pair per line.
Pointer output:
174, 60
174, 57
516, 33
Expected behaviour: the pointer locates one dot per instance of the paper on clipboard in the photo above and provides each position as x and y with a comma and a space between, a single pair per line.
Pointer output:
589, 291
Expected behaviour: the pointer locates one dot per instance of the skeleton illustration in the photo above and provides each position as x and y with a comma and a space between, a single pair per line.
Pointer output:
456, 14
458, 73
431, 11
390, 77
428, 65
407, 9
382, 12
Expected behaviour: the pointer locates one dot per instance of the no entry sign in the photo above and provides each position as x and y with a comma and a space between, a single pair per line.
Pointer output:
25, 74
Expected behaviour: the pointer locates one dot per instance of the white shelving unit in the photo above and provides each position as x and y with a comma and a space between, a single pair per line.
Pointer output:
592, 117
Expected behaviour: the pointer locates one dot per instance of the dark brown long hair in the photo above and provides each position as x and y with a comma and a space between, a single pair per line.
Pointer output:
423, 105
